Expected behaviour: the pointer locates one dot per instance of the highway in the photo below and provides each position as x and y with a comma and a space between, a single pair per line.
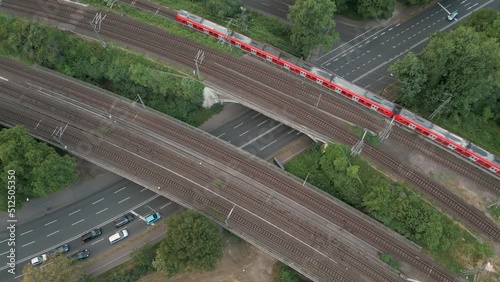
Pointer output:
66, 225
364, 55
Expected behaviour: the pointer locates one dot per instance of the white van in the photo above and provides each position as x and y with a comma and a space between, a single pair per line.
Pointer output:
118, 236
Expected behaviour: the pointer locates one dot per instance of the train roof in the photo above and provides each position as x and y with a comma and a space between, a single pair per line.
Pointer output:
256, 44
289, 58
203, 21
319, 72
363, 92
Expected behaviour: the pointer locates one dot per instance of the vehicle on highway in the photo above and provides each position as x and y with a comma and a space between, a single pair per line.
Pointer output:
59, 250
81, 255
410, 121
91, 235
452, 16
124, 220
118, 236
150, 219
38, 260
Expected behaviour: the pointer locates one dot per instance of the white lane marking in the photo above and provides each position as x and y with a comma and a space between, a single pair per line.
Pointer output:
220, 135
4, 78
243, 133
334, 60
368, 86
101, 211
262, 123
27, 244
74, 212
123, 200
77, 222
3, 253
298, 132
328, 64
26, 232
96, 242
50, 222
53, 233
463, 1
119, 190
165, 205
286, 134
256, 115
267, 145
467, 4
265, 4
238, 125
144, 189
390, 29
472, 6
4, 241
258, 137
97, 201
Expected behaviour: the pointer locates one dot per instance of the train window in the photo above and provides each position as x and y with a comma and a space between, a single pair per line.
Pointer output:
319, 81
494, 169
412, 126
432, 137
338, 90
474, 158
287, 67
254, 52
451, 146
302, 74
355, 98
373, 107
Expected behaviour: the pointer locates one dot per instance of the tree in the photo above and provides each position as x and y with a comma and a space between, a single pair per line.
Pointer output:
461, 62
193, 242
312, 24
143, 258
58, 268
39, 170
287, 274
223, 9
376, 9
486, 21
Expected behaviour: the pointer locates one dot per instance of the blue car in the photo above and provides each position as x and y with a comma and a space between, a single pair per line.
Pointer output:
150, 219
452, 16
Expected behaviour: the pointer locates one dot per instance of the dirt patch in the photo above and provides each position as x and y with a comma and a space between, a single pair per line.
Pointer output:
241, 262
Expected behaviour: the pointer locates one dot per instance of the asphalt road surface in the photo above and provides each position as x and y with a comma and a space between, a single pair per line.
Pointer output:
363, 56
256, 134
66, 225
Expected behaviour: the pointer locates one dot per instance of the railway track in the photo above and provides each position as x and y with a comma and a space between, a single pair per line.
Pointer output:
454, 162
325, 207
119, 29
146, 149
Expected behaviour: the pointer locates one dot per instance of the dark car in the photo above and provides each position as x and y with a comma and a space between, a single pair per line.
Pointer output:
124, 220
81, 255
59, 250
91, 235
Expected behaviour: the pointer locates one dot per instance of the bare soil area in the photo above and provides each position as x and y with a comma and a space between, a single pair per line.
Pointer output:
241, 262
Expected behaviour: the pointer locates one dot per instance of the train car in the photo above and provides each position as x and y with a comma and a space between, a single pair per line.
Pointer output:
345, 88
449, 140
202, 25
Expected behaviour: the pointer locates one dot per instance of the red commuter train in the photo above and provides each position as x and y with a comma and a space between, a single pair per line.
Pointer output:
360, 95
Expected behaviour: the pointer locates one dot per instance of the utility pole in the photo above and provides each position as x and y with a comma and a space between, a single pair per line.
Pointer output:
224, 40
385, 133
57, 135
110, 5
305, 180
356, 149
441, 107
243, 19
96, 25
197, 60
138, 98
228, 216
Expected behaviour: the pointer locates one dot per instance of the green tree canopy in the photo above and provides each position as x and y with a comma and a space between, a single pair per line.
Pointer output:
461, 62
376, 9
57, 269
39, 170
486, 21
223, 9
312, 24
193, 242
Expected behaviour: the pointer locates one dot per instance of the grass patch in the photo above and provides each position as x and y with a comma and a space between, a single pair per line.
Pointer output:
495, 211
387, 258
396, 205
259, 27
